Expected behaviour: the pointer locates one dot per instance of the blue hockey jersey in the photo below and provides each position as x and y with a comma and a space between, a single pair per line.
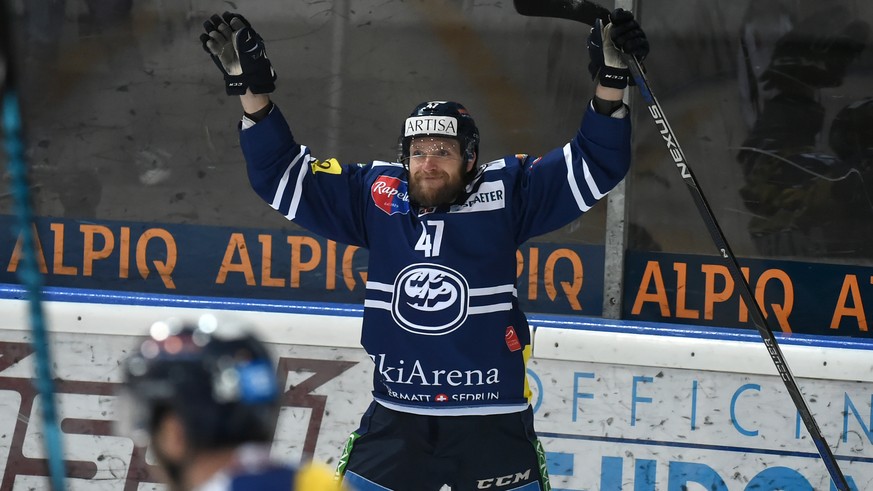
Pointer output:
441, 317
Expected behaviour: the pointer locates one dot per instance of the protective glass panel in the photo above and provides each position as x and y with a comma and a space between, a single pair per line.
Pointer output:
771, 103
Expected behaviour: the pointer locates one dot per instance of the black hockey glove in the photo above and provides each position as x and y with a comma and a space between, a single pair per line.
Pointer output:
606, 45
239, 53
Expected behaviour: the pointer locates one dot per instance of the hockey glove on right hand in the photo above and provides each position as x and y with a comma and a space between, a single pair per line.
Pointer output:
606, 45
239, 53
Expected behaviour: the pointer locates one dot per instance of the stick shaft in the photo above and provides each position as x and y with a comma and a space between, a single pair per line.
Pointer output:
28, 270
579, 10
588, 12
745, 291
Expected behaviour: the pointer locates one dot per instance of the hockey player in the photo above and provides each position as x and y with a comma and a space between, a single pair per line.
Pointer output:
441, 317
806, 201
204, 396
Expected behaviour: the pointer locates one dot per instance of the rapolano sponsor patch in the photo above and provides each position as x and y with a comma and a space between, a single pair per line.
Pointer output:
390, 195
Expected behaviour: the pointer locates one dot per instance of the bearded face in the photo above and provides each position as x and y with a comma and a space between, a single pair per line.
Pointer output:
436, 170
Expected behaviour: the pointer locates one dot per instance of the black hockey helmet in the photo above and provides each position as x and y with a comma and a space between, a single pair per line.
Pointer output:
216, 376
440, 118
851, 131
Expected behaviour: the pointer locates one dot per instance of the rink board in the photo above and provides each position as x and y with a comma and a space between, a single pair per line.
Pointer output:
685, 409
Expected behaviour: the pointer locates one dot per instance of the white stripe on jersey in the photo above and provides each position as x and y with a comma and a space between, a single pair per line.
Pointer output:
475, 292
571, 179
454, 411
382, 287
374, 286
482, 309
485, 309
375, 304
592, 184
495, 165
382, 163
298, 186
283, 182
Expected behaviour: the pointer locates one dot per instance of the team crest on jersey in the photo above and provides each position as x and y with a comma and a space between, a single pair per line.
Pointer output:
390, 194
430, 299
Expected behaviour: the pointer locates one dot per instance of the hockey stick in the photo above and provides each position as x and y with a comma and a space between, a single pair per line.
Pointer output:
589, 12
28, 271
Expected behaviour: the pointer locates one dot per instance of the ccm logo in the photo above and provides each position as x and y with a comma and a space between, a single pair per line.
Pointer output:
503, 480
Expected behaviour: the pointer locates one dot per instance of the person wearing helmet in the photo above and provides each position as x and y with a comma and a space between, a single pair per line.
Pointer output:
203, 396
807, 201
441, 322
435, 137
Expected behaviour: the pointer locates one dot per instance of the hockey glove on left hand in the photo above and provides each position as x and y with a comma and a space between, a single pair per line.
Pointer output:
239, 53
606, 45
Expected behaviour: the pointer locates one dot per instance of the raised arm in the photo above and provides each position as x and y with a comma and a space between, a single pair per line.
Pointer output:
239, 53
606, 43
568, 181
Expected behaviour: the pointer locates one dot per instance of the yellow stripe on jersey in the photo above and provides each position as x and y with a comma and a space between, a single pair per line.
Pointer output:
526, 354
